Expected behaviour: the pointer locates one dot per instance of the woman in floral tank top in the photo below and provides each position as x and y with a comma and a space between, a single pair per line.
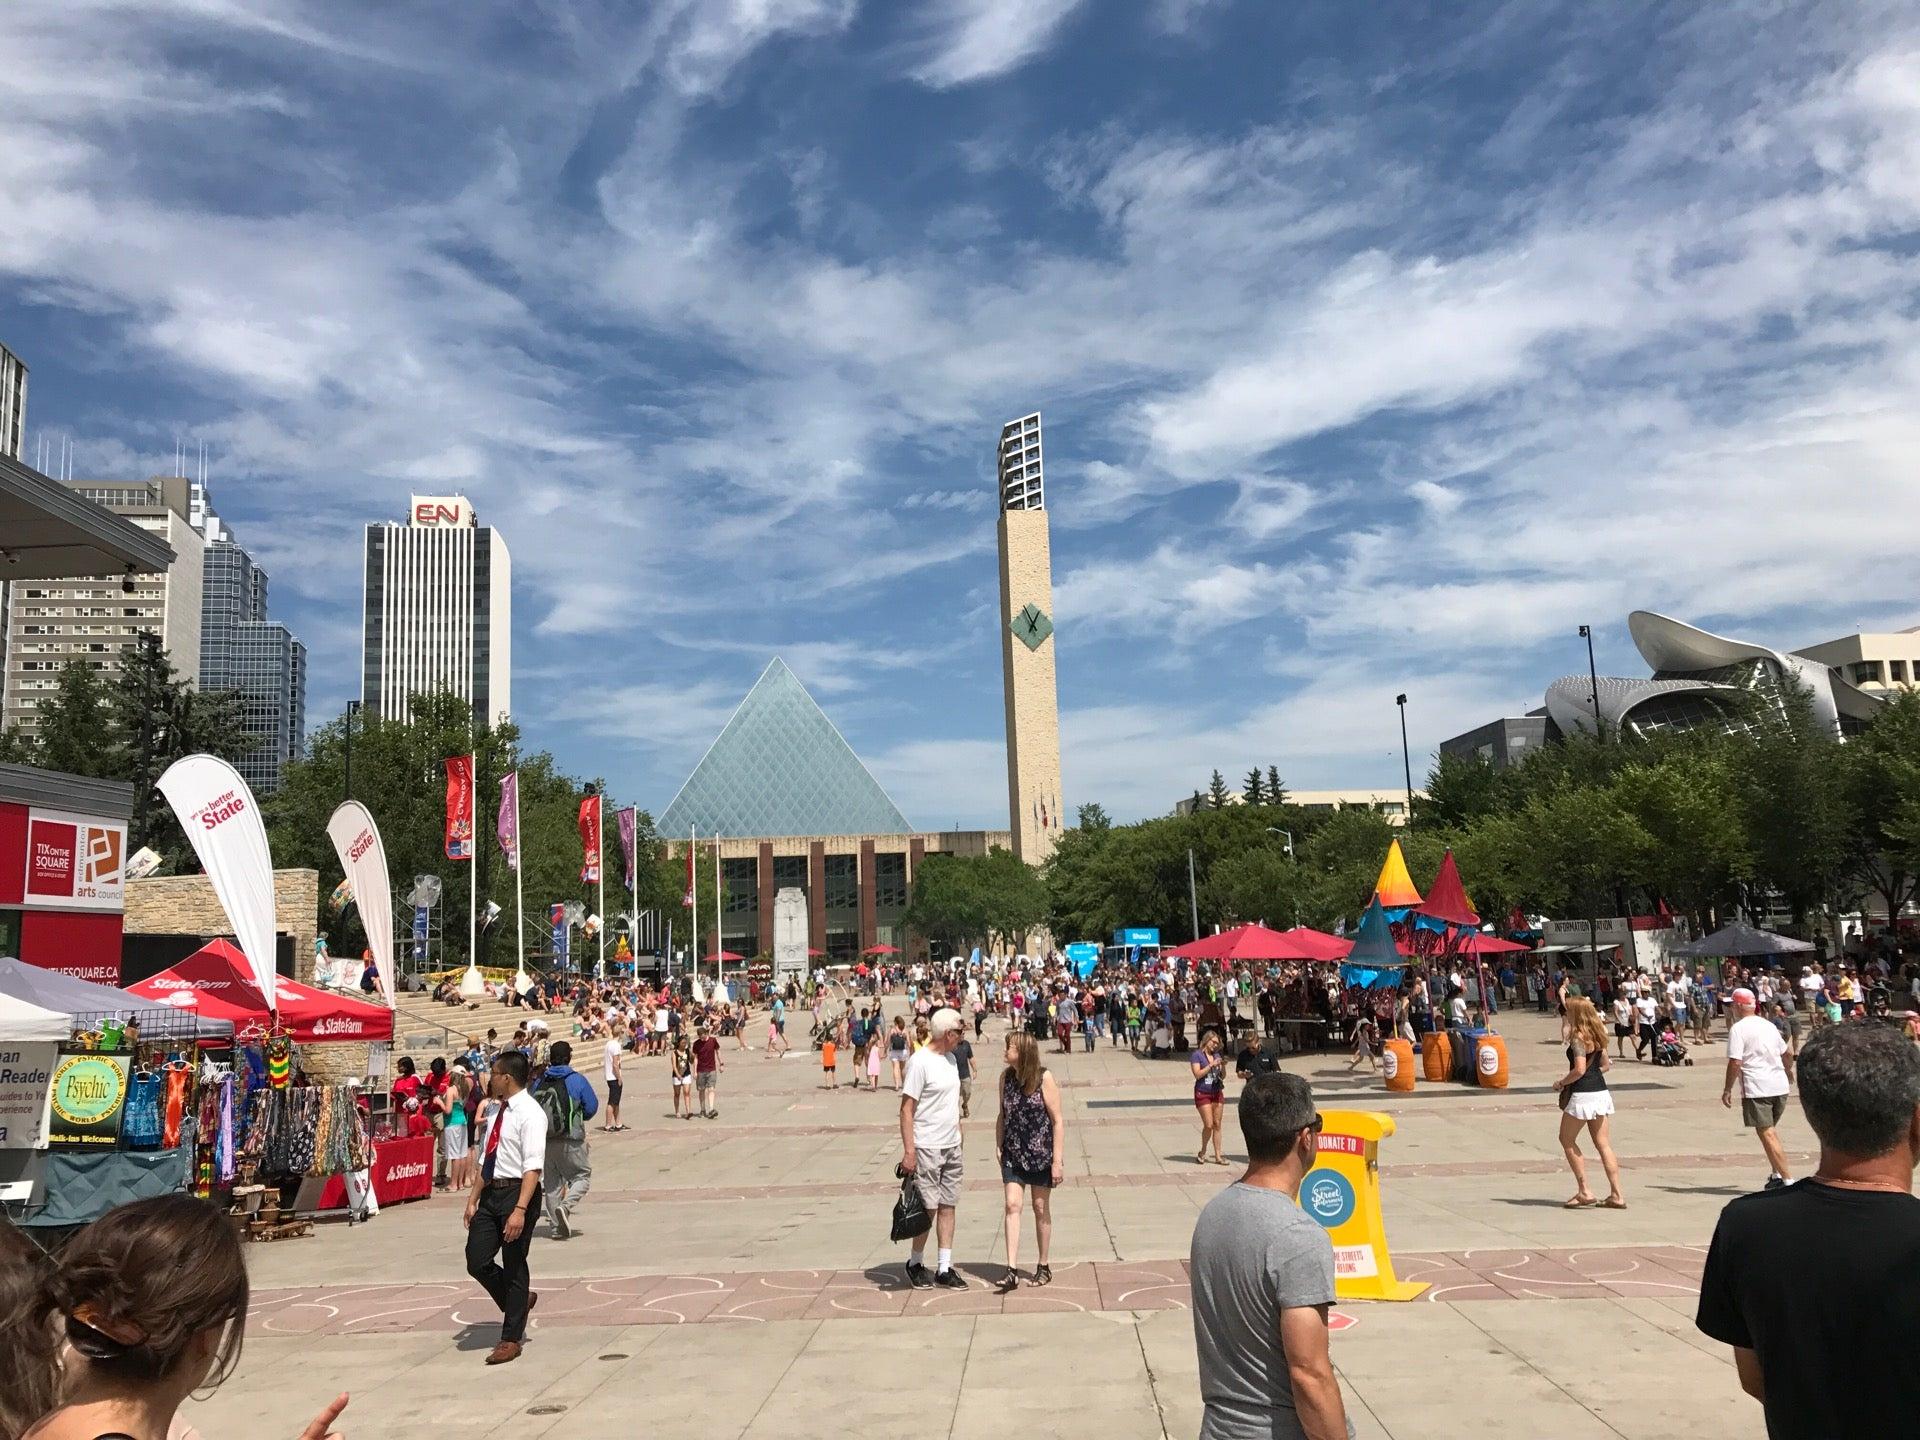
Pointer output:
1028, 1138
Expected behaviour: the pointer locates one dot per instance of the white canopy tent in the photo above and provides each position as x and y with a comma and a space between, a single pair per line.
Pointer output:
21, 1022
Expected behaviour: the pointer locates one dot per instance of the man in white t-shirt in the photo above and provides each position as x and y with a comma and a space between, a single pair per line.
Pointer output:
1646, 1010
930, 1144
1759, 1062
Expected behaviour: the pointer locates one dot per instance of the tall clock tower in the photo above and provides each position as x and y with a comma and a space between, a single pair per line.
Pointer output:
1026, 645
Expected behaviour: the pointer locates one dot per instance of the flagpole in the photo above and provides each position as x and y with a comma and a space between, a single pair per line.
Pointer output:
693, 899
600, 860
519, 871
473, 858
719, 948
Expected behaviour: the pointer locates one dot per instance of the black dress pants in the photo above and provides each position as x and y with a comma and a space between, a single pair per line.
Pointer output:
505, 1280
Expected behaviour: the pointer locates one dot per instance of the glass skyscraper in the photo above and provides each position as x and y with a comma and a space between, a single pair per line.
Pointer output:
242, 650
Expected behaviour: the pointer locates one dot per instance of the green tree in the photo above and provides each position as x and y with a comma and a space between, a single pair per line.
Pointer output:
75, 725
1689, 803
1095, 817
1254, 789
1217, 792
1342, 861
1276, 792
1257, 884
16, 747
1460, 791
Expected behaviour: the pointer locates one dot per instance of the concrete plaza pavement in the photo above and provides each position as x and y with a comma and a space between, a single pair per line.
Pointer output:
732, 1277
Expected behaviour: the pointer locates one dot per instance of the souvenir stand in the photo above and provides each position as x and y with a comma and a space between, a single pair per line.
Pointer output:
294, 1128
132, 1099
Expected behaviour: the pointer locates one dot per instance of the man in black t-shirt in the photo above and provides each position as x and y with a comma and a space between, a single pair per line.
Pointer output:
1822, 1332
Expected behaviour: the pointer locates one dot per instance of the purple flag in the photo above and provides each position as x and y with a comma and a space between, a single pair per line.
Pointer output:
628, 819
509, 827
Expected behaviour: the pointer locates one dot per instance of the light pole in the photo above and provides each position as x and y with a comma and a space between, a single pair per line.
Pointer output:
1406, 755
1276, 830
353, 709
1593, 674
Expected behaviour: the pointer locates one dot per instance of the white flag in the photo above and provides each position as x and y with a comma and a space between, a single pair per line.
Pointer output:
356, 840
223, 824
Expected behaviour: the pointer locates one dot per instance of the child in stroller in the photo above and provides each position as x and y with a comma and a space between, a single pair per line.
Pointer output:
1669, 1049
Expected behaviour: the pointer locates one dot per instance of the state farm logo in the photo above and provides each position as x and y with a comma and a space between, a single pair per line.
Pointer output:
173, 982
362, 843
221, 810
408, 1172
336, 1026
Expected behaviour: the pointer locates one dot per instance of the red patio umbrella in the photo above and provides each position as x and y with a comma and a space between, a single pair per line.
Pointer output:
881, 950
1257, 942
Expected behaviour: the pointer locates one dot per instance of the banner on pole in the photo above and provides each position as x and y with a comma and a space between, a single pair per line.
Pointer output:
687, 898
590, 840
460, 807
509, 827
222, 822
557, 916
363, 857
629, 820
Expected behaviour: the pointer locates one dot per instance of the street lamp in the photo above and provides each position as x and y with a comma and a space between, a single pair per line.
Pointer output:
1406, 755
1276, 830
1593, 674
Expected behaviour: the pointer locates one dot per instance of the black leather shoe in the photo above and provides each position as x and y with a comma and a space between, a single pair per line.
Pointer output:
949, 1280
918, 1277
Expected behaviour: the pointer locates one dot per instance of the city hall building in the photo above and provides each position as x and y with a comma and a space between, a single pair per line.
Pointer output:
793, 807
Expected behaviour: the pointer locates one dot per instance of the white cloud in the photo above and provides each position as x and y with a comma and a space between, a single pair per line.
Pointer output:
973, 40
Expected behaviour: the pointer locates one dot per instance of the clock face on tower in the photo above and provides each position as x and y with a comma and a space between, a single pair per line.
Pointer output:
1031, 625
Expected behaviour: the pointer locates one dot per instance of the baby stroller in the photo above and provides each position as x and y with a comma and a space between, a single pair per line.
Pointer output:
1668, 1050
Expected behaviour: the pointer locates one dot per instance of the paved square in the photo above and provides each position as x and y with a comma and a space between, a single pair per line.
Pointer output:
732, 1277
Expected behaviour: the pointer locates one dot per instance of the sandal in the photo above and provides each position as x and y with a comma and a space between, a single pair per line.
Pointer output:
1007, 1283
1578, 1204
1613, 1203
1043, 1274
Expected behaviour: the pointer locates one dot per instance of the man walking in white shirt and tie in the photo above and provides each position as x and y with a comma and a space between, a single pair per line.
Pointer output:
505, 1202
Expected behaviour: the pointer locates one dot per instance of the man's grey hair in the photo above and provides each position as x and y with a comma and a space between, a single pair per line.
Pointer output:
944, 1020
1859, 1084
1274, 1109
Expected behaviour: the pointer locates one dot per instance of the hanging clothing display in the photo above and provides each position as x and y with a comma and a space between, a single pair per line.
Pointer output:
140, 1127
178, 1077
307, 1130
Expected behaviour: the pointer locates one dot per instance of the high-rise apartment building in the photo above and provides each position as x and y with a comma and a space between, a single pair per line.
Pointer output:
242, 650
438, 611
97, 619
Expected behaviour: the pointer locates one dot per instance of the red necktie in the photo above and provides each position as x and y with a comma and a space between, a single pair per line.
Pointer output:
493, 1144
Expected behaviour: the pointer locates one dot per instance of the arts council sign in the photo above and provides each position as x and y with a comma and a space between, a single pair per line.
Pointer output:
75, 862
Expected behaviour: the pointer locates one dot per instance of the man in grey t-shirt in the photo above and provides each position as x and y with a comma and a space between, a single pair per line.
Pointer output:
1262, 1282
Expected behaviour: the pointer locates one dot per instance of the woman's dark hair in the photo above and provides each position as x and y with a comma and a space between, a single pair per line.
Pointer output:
406, 1065
29, 1345
137, 1285
438, 1067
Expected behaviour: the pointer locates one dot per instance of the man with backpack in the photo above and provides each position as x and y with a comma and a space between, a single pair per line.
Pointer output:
568, 1101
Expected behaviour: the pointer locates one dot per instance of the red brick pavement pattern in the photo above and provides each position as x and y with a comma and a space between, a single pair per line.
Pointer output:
1658, 1270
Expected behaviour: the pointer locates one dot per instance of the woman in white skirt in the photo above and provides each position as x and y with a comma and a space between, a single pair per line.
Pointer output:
1585, 1100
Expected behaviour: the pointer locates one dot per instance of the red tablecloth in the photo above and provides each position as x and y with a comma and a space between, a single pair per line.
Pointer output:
402, 1170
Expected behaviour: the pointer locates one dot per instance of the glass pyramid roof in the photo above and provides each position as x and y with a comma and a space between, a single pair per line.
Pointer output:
779, 767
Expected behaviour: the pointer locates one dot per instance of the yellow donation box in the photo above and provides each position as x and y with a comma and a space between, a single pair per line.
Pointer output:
1342, 1192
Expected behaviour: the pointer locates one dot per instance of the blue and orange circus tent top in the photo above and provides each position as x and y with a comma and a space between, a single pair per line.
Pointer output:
1394, 889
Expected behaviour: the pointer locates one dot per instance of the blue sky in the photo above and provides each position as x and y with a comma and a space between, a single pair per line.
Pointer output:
1379, 346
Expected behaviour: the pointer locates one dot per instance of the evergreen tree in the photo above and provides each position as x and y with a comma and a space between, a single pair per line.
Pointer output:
1276, 792
1217, 792
1255, 790
75, 725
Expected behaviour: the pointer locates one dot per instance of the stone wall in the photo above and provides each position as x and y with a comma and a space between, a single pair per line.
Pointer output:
186, 905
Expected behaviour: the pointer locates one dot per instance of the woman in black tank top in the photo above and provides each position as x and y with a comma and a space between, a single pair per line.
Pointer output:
1586, 1101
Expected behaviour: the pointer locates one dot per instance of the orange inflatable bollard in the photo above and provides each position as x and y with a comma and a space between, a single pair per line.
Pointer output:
1436, 1055
1396, 1064
1490, 1059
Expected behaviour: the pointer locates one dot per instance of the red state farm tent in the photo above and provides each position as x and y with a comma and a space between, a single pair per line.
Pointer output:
217, 981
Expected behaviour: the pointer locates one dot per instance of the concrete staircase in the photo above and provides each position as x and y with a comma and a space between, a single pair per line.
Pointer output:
424, 1029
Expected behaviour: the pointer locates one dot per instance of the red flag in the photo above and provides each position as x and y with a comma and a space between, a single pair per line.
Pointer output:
590, 839
687, 899
460, 807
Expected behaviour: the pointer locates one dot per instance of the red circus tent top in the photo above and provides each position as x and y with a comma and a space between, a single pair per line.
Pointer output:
217, 981
1447, 898
1257, 942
